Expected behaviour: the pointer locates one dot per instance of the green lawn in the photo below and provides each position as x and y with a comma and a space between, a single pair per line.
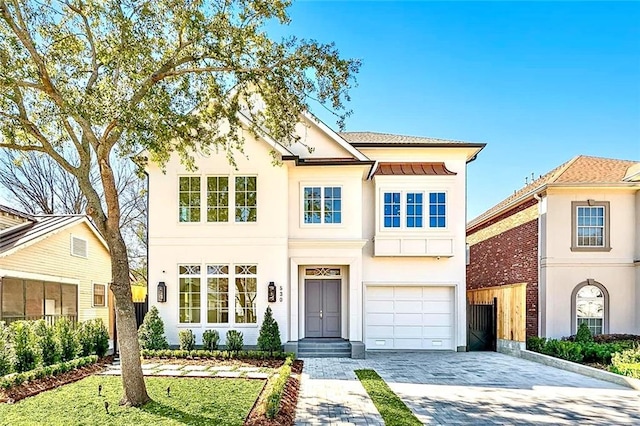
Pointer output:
394, 412
192, 402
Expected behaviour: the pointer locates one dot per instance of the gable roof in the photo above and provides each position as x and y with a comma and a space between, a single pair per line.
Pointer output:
43, 226
374, 139
579, 170
14, 212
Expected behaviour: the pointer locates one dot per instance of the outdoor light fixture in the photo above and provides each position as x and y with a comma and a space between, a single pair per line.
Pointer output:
162, 292
272, 292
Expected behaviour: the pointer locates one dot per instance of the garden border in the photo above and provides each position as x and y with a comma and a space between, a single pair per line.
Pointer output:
585, 370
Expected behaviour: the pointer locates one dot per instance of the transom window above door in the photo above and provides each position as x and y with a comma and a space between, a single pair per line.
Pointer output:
322, 204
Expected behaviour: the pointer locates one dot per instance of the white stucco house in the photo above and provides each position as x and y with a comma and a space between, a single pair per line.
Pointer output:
363, 239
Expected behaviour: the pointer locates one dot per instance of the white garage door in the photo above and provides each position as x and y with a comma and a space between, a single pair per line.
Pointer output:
409, 318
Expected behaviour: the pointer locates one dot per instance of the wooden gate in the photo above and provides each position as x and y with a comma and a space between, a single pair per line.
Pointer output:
482, 330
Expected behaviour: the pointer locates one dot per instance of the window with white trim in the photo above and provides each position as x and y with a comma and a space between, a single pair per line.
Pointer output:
590, 227
99, 295
218, 294
189, 298
189, 199
246, 205
437, 210
406, 210
217, 198
246, 290
322, 204
590, 308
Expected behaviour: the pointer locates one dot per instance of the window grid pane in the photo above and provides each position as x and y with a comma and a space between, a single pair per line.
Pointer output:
217, 199
590, 227
437, 210
414, 209
246, 199
246, 284
391, 214
590, 308
189, 199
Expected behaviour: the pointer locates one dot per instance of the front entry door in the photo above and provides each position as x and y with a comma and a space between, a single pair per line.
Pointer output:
322, 305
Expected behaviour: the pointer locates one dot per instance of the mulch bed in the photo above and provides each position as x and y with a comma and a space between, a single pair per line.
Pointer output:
287, 414
34, 387
269, 363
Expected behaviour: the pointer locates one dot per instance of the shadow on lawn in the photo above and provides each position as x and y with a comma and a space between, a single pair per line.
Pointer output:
159, 409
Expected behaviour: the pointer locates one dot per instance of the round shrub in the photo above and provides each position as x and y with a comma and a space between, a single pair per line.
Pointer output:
210, 339
187, 340
151, 331
584, 334
235, 341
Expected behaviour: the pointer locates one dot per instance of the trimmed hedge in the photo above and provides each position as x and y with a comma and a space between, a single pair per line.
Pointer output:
204, 354
577, 352
17, 379
276, 389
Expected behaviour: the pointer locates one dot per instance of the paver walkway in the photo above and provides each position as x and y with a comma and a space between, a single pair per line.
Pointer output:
184, 370
462, 388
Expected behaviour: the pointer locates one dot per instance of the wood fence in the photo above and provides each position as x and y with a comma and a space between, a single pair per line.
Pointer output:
512, 301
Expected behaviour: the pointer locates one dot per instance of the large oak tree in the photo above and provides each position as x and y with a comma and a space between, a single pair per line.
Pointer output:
164, 76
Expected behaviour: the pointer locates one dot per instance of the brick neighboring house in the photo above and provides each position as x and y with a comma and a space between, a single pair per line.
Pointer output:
573, 236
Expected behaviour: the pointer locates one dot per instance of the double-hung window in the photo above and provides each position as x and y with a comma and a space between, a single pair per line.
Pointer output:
590, 226
322, 204
406, 210
189, 199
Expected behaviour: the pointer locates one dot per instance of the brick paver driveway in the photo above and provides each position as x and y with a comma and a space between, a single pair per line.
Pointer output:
463, 388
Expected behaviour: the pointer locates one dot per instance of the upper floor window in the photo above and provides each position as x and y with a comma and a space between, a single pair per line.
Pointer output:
218, 206
406, 210
246, 199
189, 199
322, 204
437, 210
590, 226
217, 199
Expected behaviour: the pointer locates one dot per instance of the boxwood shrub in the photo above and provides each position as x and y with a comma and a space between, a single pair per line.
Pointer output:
17, 379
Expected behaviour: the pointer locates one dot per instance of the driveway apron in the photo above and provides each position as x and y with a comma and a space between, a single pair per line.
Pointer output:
462, 388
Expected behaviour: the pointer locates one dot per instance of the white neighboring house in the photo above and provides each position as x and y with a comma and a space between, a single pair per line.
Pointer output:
363, 239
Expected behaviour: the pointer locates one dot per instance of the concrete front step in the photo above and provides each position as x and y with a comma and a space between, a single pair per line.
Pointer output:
324, 354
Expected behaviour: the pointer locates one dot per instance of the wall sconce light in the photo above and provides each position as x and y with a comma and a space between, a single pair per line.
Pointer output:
162, 292
272, 292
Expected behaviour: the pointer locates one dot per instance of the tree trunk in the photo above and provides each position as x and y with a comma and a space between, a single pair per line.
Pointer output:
135, 391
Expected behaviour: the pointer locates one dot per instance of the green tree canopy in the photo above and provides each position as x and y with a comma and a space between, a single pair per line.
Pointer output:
165, 76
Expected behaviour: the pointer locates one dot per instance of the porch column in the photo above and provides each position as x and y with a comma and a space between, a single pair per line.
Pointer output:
356, 315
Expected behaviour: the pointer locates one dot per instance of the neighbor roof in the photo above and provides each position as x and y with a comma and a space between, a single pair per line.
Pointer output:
373, 139
41, 227
15, 212
581, 169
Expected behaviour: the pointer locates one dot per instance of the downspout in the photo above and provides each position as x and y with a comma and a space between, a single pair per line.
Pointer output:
538, 198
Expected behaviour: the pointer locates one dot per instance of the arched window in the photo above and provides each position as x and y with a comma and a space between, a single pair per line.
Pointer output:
590, 305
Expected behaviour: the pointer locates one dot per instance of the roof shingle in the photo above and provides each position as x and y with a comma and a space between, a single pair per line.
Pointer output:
374, 138
579, 170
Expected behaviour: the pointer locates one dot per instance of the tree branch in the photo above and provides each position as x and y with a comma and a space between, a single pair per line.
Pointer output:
94, 61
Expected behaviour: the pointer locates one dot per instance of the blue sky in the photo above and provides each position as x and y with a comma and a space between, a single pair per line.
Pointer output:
539, 82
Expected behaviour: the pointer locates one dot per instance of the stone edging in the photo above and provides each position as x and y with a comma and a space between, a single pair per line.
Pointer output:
585, 370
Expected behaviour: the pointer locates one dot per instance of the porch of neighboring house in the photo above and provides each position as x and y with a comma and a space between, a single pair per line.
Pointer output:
22, 299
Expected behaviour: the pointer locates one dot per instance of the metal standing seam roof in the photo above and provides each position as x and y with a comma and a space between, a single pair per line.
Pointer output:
11, 238
416, 169
581, 169
15, 212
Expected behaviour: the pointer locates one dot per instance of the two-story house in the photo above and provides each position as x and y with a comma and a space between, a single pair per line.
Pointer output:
573, 236
362, 239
